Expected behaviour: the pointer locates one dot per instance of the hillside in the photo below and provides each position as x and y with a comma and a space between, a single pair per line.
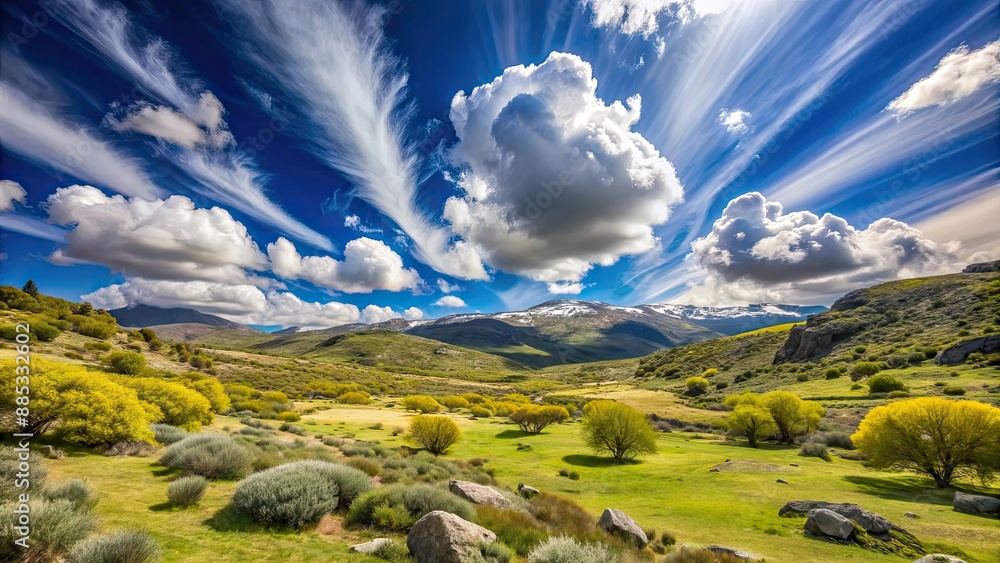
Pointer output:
140, 316
737, 320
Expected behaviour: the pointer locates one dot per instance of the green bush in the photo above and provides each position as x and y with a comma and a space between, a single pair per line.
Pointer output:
495, 552
126, 546
98, 346
515, 528
815, 449
407, 504
166, 434
354, 398
840, 440
77, 491
55, 526
289, 416
865, 369
187, 491
94, 328
128, 363
480, 411
9, 463
212, 456
421, 403
44, 331
568, 550
832, 373
393, 552
696, 385
884, 384
952, 390
434, 432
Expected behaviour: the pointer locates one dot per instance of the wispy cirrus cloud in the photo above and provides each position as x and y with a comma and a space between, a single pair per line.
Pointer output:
192, 125
332, 59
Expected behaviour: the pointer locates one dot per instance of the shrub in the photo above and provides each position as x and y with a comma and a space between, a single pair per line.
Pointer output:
121, 547
840, 440
368, 465
454, 402
618, 429
495, 552
953, 390
187, 491
76, 491
534, 418
127, 363
884, 384
393, 552
695, 555
181, 406
211, 389
696, 385
55, 526
792, 416
289, 416
435, 433
98, 346
563, 549
291, 495
9, 466
94, 328
667, 539
574, 476
898, 394
396, 507
480, 412
515, 528
864, 369
212, 456
832, 373
564, 514
422, 403
44, 331
354, 398
815, 449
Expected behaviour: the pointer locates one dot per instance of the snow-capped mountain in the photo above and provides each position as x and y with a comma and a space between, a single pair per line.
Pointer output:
734, 320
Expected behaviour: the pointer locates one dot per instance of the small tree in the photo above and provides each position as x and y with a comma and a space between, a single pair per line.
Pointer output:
534, 418
30, 288
421, 403
454, 402
128, 363
618, 429
435, 432
792, 416
932, 436
752, 421
696, 385
862, 370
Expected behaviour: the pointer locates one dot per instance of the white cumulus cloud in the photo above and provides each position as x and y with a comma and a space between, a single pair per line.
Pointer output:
757, 249
640, 17
375, 314
413, 314
736, 121
166, 239
959, 74
11, 192
451, 301
554, 179
368, 265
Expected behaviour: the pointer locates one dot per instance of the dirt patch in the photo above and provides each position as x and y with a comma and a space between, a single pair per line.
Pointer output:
329, 526
747, 466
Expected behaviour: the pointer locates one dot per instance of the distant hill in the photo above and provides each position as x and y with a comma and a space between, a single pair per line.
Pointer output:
140, 316
737, 320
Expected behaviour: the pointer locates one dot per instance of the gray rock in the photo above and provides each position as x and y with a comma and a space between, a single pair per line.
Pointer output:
618, 523
47, 451
871, 522
737, 553
976, 504
442, 537
957, 353
982, 268
939, 558
527, 492
911, 515
781, 481
479, 494
371, 546
828, 523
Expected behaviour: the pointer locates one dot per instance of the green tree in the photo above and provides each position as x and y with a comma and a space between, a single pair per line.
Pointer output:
618, 429
751, 421
125, 362
792, 416
454, 402
421, 403
30, 288
534, 418
181, 407
436, 433
937, 437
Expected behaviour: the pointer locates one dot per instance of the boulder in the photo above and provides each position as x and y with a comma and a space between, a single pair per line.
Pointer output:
939, 558
911, 515
956, 354
371, 546
618, 523
442, 537
982, 268
830, 524
734, 553
976, 504
527, 492
871, 522
781, 481
479, 494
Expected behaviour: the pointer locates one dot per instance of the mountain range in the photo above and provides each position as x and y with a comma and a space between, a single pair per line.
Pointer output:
555, 332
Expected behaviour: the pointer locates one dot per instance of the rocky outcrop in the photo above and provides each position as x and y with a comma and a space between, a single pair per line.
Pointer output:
982, 268
976, 504
442, 537
852, 300
939, 558
617, 523
527, 492
814, 339
479, 494
828, 523
871, 522
733, 553
956, 354
371, 546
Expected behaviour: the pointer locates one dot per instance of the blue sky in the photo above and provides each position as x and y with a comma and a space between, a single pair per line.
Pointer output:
314, 163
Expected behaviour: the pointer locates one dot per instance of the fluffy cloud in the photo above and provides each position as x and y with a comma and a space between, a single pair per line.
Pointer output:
555, 180
240, 302
450, 301
205, 127
959, 74
11, 192
413, 314
166, 239
446, 287
375, 314
368, 265
633, 17
333, 62
736, 121
557, 288
756, 248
